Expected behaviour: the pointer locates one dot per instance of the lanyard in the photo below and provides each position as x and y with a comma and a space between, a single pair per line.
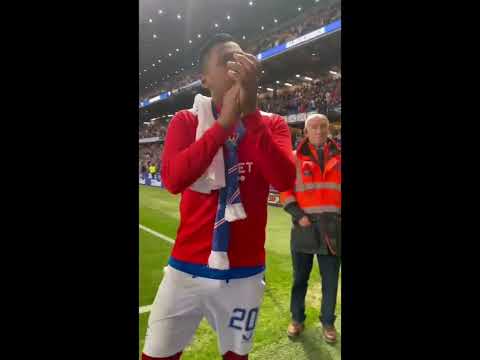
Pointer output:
214, 112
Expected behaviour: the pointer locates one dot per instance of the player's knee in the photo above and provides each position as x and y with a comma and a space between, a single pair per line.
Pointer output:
173, 357
232, 356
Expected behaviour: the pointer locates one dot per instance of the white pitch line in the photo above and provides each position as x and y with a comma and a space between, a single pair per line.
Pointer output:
144, 309
147, 308
161, 236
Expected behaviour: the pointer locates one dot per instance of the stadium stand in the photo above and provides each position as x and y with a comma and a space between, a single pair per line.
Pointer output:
320, 94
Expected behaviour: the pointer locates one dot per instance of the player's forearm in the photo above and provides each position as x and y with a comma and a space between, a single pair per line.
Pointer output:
273, 152
181, 168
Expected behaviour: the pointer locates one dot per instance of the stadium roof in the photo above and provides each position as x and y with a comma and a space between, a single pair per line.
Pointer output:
172, 31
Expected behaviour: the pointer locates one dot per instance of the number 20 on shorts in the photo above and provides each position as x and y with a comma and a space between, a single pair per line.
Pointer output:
237, 321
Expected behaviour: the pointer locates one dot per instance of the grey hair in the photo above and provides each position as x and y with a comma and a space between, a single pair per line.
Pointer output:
313, 116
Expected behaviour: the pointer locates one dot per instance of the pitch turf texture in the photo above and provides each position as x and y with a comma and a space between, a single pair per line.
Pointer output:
159, 212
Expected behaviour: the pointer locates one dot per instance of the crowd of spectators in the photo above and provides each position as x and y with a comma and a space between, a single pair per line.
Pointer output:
180, 80
155, 130
312, 21
316, 96
308, 22
319, 95
150, 154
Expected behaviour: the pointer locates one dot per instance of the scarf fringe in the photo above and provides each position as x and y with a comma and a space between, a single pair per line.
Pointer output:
219, 260
235, 212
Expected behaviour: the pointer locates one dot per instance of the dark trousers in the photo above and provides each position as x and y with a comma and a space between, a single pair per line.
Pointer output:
329, 271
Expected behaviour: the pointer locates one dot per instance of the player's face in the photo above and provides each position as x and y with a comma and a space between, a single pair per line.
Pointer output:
215, 76
317, 130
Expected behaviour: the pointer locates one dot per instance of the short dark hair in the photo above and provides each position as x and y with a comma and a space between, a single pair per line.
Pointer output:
215, 40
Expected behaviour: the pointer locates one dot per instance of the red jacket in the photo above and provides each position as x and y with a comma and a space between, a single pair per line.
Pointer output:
265, 157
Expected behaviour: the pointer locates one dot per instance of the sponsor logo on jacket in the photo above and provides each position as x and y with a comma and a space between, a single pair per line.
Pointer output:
244, 168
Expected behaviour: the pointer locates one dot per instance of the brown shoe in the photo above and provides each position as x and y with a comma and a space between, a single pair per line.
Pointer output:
295, 329
329, 333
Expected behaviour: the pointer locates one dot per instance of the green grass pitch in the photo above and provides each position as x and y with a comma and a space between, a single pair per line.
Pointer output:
159, 212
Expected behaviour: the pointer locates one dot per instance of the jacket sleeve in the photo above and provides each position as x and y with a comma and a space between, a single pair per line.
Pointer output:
184, 159
295, 211
273, 150
290, 205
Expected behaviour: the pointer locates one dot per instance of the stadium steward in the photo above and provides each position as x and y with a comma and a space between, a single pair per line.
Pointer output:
314, 203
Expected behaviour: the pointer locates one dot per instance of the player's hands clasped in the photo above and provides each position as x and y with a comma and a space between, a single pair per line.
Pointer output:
243, 70
231, 107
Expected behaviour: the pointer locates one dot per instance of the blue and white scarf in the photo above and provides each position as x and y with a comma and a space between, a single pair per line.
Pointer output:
230, 206
221, 175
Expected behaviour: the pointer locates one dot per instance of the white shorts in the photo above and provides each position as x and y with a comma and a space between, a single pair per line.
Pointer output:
231, 308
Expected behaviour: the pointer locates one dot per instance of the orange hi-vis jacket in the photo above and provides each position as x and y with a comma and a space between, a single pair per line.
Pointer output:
315, 191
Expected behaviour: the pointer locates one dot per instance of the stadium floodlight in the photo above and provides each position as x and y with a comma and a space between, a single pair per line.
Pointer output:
269, 89
299, 8
154, 36
243, 37
150, 21
298, 75
159, 60
179, 17
199, 36
259, 87
146, 123
250, 3
228, 17
275, 21
160, 12
177, 49
308, 78
278, 82
153, 65
288, 84
216, 25
189, 41
333, 72
262, 27
169, 54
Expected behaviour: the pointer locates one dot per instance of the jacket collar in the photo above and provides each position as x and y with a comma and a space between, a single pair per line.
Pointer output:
333, 148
